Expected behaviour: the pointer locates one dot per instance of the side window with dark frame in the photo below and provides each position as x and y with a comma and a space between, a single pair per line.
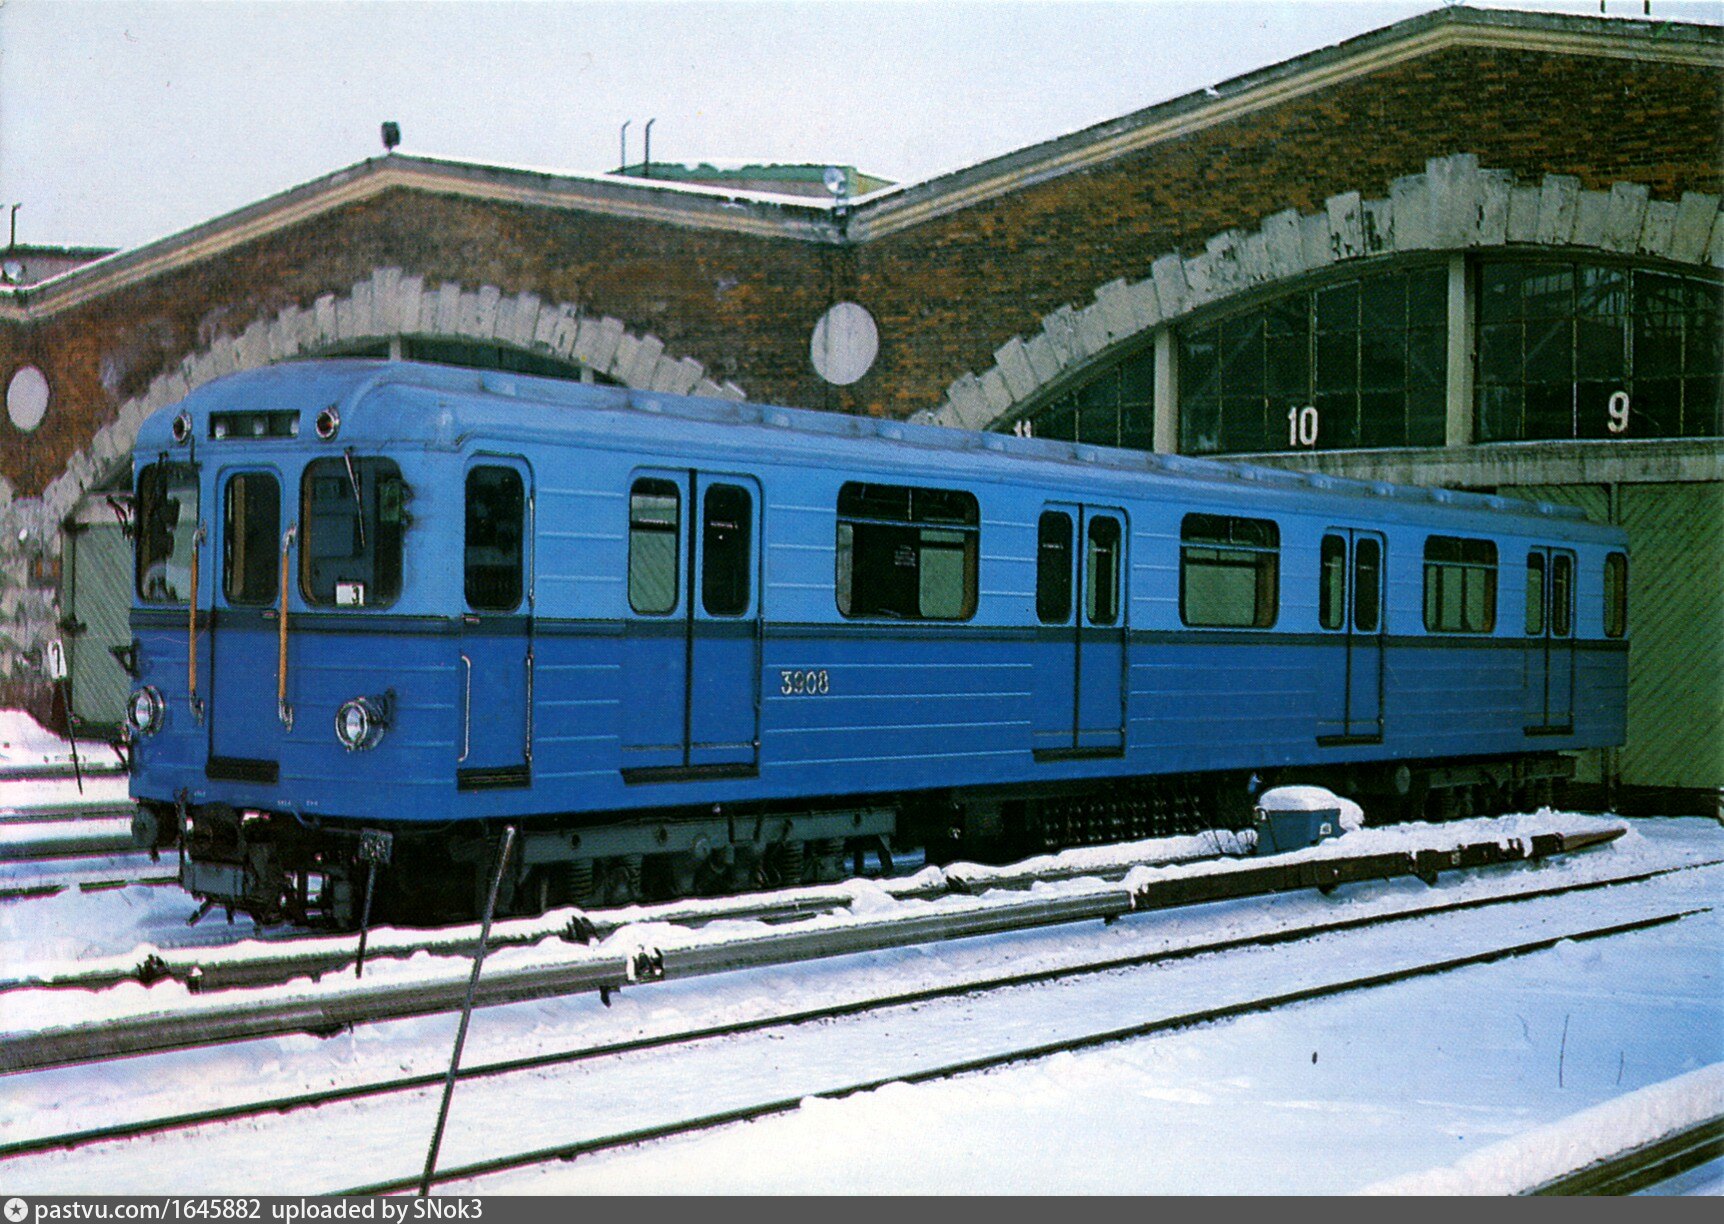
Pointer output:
1054, 567
1102, 571
1367, 584
906, 553
1535, 594
353, 522
1460, 585
1561, 594
251, 539
1332, 582
1229, 571
727, 520
496, 527
655, 545
1616, 594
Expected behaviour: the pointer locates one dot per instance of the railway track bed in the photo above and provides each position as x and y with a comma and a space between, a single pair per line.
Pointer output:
940, 995
52, 1033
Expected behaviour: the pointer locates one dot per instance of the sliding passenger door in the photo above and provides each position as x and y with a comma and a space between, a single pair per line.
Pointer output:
1078, 683
691, 650
497, 627
1549, 652
244, 724
723, 691
1350, 612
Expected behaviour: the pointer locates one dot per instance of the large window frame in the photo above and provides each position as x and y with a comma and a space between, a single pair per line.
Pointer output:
1594, 349
167, 522
904, 552
353, 531
1223, 557
1460, 585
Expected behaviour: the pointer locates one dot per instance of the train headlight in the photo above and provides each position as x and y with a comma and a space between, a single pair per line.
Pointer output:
145, 710
360, 723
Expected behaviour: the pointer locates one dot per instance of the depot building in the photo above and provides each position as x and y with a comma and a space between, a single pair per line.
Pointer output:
1475, 249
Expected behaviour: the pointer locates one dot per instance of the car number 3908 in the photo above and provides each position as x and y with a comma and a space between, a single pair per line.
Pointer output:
803, 683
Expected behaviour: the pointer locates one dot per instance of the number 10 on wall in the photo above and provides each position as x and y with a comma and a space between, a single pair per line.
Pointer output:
1302, 425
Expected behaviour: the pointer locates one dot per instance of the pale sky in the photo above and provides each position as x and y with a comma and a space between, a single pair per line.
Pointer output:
126, 120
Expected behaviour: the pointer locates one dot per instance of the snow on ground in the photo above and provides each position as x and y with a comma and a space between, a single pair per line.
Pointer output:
1325, 1097
1407, 1077
1232, 1106
1539, 1156
27, 747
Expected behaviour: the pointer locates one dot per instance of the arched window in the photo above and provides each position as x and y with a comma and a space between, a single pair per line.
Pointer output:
473, 355
1592, 350
1357, 363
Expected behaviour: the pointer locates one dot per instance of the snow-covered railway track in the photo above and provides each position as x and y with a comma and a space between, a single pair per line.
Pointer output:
1645, 1166
236, 1016
472, 1174
58, 843
609, 1095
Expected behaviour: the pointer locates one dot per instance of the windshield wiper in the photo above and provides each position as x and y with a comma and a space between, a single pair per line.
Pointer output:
358, 504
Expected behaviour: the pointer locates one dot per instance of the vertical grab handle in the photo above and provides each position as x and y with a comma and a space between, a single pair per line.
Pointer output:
192, 628
466, 708
282, 709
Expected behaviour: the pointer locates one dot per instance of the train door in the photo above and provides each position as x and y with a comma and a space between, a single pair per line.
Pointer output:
245, 607
1549, 655
496, 663
1079, 682
1350, 612
692, 649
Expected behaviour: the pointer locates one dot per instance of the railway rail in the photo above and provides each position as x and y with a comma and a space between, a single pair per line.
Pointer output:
521, 1074
314, 954
61, 840
1646, 1166
216, 1019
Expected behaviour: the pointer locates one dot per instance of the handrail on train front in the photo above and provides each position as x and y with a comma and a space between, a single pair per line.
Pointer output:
282, 709
192, 627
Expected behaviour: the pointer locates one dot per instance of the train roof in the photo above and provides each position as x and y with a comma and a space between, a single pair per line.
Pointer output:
489, 402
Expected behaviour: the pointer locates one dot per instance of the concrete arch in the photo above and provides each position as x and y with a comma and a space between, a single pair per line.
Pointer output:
1454, 207
387, 304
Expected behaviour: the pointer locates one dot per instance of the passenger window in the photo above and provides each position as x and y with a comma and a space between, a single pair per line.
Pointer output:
354, 516
906, 553
655, 517
727, 515
1616, 595
1460, 585
1101, 572
167, 523
1229, 571
1332, 582
496, 530
1054, 567
1534, 594
1367, 584
1561, 594
251, 539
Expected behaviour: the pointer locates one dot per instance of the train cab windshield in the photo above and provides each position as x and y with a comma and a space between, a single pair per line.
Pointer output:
167, 527
353, 512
